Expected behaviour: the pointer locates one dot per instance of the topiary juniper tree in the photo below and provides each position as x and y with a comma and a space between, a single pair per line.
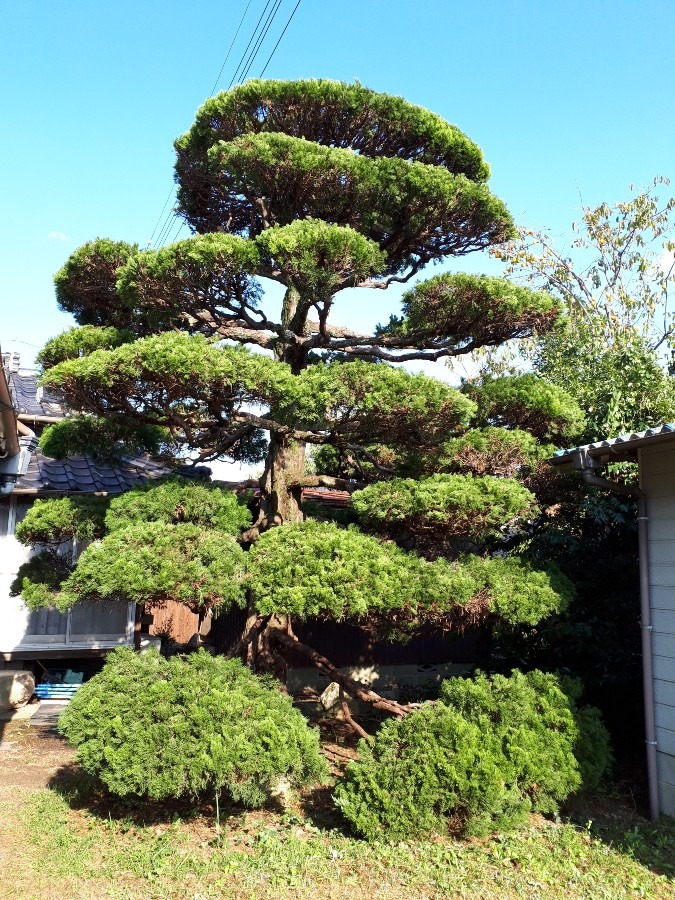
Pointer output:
319, 186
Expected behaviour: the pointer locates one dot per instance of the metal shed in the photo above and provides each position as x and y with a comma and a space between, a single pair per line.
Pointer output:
654, 451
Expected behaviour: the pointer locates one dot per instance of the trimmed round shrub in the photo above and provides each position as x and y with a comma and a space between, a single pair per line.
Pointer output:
491, 751
158, 728
433, 771
552, 748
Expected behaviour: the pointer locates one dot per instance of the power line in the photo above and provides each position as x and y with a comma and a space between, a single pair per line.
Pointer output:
268, 24
160, 216
251, 39
246, 61
215, 83
280, 37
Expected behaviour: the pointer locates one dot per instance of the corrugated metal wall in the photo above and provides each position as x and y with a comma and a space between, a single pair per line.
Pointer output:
657, 475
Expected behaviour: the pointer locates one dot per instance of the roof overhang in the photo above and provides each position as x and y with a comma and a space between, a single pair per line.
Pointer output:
619, 449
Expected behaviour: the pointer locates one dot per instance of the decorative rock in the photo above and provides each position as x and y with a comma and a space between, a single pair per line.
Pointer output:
330, 696
16, 688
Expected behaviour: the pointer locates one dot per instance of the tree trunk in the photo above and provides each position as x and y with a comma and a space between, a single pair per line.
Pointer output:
280, 503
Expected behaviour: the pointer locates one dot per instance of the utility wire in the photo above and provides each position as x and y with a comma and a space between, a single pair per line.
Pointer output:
215, 84
290, 18
242, 70
251, 40
160, 216
261, 38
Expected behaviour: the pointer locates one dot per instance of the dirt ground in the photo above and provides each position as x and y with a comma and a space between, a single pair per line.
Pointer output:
30, 755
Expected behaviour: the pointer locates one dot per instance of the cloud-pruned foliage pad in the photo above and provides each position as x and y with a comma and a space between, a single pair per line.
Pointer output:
153, 563
528, 402
176, 501
457, 505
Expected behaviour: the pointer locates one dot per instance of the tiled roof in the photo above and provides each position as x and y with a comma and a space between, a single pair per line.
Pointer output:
77, 473
328, 497
621, 447
80, 473
31, 400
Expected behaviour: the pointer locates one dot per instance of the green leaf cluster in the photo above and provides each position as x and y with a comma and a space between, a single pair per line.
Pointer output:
186, 277
108, 438
331, 114
177, 501
62, 519
413, 210
502, 452
40, 578
85, 285
554, 745
152, 727
529, 403
154, 562
622, 386
490, 752
458, 505
318, 569
370, 401
316, 258
474, 308
78, 342
337, 114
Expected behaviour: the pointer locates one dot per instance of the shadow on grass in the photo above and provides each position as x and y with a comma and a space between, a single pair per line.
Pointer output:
616, 817
85, 792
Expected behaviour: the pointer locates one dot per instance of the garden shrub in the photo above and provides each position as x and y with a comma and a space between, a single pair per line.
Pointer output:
488, 753
433, 771
148, 726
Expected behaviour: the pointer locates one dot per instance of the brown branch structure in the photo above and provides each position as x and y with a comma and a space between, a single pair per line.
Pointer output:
353, 687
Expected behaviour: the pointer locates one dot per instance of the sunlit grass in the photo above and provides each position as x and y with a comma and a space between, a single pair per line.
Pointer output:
69, 852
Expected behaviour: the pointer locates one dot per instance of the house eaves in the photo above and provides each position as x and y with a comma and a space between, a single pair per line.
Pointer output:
619, 449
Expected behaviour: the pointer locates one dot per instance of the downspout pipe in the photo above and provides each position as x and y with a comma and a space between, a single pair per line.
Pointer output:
586, 465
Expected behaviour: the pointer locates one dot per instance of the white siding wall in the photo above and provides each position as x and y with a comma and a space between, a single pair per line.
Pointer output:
657, 478
87, 626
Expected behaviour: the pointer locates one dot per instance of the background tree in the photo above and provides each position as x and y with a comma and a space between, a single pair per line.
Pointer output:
318, 186
612, 354
612, 351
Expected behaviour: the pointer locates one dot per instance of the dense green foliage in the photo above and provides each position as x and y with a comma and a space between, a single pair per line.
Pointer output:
320, 187
490, 450
529, 403
62, 519
480, 760
108, 438
481, 310
85, 285
177, 500
81, 341
451, 505
174, 540
170, 728
39, 580
153, 562
318, 569
623, 387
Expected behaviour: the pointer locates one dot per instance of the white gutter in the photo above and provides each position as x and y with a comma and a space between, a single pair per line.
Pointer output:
586, 464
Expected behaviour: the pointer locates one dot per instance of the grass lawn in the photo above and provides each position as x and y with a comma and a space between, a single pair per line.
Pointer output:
62, 838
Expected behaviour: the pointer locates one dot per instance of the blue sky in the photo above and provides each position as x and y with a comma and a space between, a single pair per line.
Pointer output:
570, 101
